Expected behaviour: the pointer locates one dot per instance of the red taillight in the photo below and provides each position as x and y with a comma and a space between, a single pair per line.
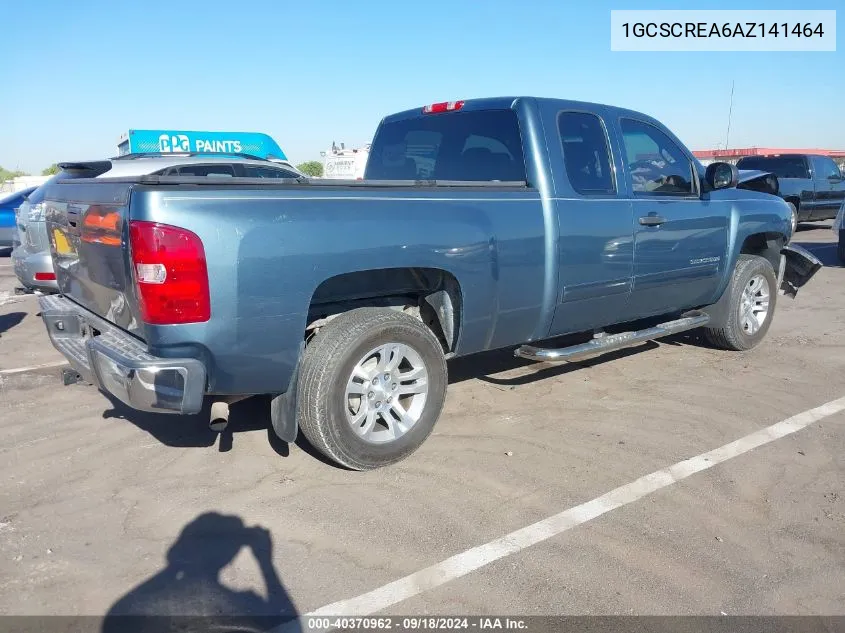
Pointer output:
45, 276
446, 106
170, 273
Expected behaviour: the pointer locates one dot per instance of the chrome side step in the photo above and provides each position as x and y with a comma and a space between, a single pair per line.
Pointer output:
612, 342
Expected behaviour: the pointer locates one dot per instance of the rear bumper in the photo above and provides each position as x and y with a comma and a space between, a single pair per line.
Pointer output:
28, 264
119, 364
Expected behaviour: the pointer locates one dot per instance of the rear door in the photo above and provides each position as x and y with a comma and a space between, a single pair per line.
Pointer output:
594, 223
680, 238
830, 190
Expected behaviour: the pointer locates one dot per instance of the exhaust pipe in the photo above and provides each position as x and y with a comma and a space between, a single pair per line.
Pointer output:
219, 419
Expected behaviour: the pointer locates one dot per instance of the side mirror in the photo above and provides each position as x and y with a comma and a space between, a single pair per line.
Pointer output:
721, 175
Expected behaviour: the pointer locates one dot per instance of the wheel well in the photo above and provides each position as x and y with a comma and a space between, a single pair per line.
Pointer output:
430, 294
794, 200
766, 245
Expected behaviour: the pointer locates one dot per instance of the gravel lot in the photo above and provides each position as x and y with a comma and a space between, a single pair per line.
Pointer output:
94, 496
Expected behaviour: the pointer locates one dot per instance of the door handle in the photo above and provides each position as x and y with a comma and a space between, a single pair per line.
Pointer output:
652, 220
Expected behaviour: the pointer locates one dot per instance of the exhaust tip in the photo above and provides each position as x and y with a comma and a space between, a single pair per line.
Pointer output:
219, 418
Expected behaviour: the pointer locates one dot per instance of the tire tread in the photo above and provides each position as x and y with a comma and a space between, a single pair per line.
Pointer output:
317, 371
728, 336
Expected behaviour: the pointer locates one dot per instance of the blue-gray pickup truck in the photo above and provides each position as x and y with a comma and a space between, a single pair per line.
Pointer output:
480, 224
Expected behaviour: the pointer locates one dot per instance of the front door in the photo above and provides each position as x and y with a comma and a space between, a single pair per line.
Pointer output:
680, 238
830, 189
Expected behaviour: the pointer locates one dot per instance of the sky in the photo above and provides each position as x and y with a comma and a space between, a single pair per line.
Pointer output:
78, 74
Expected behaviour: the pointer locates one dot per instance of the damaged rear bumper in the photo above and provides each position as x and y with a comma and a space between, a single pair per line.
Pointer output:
120, 364
797, 267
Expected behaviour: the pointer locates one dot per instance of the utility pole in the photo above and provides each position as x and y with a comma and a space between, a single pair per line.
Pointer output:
730, 111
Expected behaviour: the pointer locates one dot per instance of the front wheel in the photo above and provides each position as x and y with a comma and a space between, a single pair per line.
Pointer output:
371, 387
752, 298
841, 248
794, 211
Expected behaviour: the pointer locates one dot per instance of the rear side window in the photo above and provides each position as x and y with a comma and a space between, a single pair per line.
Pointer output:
780, 166
267, 172
206, 170
585, 153
484, 145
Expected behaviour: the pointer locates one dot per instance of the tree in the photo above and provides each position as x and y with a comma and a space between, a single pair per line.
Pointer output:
311, 168
52, 170
5, 174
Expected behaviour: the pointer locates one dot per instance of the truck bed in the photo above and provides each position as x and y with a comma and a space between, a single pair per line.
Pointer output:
275, 250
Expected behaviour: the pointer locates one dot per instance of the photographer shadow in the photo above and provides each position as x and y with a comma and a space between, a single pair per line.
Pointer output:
188, 595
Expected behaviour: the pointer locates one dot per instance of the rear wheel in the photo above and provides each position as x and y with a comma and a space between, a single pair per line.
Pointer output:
372, 384
752, 299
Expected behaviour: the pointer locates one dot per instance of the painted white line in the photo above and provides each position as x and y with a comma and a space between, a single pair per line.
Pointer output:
22, 370
477, 557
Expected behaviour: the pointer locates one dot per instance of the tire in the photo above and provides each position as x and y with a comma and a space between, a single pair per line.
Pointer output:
325, 409
735, 334
794, 210
840, 250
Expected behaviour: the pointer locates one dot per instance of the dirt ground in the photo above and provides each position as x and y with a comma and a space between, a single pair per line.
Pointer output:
102, 506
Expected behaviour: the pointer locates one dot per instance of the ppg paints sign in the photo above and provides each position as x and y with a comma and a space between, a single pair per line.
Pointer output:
169, 141
182, 143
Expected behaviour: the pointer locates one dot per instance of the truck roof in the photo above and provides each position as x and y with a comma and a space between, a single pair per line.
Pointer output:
504, 103
785, 155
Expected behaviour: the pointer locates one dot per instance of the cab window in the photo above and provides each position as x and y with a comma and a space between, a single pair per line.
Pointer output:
585, 153
656, 165
481, 145
825, 168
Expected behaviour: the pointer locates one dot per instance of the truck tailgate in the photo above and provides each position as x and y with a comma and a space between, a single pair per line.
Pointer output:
87, 225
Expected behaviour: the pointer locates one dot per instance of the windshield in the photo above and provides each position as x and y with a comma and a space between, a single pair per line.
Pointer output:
780, 166
483, 145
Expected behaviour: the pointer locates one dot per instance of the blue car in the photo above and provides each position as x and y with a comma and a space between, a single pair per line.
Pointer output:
8, 204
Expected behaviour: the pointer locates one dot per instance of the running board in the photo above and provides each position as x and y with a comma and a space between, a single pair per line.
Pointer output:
612, 342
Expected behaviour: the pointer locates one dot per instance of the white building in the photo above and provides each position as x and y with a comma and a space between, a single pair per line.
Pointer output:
22, 182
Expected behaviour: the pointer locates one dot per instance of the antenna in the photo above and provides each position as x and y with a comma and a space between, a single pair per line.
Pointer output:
730, 112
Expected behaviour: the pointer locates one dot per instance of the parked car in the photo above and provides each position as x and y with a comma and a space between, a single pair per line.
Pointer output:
811, 184
343, 300
31, 255
839, 228
8, 205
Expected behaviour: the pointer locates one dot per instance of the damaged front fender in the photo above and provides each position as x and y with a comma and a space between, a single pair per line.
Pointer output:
797, 267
